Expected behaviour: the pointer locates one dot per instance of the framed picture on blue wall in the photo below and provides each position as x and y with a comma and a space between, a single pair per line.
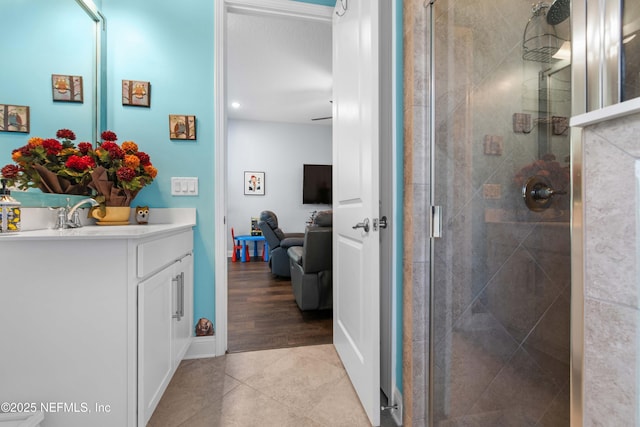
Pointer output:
182, 127
66, 88
136, 93
14, 118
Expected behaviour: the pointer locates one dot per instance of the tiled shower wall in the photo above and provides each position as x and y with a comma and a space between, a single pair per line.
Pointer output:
417, 189
611, 262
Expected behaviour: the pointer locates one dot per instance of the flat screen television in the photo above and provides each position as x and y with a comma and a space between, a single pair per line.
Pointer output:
316, 185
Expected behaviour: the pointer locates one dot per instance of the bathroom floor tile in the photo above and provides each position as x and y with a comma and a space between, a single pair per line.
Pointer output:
299, 386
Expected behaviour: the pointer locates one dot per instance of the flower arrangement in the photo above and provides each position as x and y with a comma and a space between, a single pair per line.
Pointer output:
121, 171
548, 167
42, 163
113, 174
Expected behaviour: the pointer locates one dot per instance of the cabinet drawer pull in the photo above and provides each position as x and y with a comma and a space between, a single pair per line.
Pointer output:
181, 295
176, 280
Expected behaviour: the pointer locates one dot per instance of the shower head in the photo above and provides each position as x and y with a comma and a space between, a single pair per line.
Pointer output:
558, 12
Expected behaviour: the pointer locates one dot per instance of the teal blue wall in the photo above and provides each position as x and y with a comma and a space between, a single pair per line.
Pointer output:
170, 45
32, 56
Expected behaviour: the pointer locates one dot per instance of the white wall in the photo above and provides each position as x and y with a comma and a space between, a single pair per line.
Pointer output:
279, 150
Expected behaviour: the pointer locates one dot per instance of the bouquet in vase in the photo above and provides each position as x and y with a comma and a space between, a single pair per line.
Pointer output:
110, 173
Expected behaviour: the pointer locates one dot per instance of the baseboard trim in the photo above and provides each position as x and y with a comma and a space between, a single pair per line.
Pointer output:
201, 347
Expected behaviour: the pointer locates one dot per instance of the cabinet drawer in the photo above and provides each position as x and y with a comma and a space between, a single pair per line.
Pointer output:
154, 255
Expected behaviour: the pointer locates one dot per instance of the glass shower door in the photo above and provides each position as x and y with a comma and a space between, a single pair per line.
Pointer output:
501, 271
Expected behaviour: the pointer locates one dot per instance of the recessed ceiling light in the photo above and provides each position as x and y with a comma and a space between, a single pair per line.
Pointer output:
235, 105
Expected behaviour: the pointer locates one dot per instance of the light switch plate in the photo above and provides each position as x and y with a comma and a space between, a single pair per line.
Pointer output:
184, 186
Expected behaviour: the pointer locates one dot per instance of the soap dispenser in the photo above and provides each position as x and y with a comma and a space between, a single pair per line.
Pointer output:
9, 210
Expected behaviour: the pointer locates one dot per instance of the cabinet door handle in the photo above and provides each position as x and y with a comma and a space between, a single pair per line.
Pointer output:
181, 295
176, 315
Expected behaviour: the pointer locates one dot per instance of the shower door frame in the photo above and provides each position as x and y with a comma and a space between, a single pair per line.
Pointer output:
578, 106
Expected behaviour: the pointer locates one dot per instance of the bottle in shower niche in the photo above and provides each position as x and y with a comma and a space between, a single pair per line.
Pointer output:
9, 210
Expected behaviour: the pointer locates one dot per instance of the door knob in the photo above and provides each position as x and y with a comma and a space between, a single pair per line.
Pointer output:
364, 224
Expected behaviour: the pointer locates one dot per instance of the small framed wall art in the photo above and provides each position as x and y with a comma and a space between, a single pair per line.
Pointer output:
66, 88
14, 118
182, 127
136, 93
254, 183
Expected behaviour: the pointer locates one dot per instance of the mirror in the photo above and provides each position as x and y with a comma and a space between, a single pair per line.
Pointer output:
63, 37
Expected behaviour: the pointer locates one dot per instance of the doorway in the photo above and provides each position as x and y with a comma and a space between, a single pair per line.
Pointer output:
276, 7
278, 119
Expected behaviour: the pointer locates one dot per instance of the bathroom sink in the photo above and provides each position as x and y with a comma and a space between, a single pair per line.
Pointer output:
95, 232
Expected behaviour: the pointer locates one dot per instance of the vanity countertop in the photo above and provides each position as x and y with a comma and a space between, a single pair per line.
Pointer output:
37, 225
96, 232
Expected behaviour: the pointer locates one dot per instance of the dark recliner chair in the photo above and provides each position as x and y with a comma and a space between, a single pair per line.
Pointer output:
278, 242
312, 265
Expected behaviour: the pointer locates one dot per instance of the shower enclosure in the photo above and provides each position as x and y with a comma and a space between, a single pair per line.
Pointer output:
500, 280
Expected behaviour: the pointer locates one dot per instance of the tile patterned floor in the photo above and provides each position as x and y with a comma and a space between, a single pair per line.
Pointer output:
301, 386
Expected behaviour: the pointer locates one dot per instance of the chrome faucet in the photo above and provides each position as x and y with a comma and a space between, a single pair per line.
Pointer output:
69, 217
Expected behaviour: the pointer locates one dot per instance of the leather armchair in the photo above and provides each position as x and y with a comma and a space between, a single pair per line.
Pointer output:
312, 266
279, 243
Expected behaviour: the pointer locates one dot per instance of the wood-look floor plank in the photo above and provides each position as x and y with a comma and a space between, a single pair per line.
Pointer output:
262, 313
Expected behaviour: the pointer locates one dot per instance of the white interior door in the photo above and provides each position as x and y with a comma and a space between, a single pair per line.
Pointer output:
356, 311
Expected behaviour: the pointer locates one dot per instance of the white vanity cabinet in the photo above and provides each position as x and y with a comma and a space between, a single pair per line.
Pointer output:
94, 321
165, 318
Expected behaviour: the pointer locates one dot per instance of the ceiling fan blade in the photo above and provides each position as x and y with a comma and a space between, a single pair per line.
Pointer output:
322, 118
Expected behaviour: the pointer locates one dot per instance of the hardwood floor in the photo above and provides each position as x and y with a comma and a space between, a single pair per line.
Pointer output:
262, 313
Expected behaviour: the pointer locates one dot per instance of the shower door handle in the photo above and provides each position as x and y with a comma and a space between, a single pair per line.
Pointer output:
436, 222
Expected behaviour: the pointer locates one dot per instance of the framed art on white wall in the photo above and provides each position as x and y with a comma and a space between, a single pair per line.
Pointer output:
254, 183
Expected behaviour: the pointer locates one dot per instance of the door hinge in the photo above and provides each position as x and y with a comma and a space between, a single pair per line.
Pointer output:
436, 222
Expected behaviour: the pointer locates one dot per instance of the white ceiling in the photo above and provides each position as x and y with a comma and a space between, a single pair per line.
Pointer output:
278, 69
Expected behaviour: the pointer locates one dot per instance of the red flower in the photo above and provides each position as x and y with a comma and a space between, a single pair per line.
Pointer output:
66, 134
85, 147
125, 174
145, 160
9, 171
52, 146
116, 153
80, 163
108, 135
108, 145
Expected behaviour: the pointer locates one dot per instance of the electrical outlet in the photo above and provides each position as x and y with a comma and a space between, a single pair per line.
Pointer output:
184, 186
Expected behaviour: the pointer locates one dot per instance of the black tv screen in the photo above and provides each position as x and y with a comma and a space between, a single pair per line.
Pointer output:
316, 185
